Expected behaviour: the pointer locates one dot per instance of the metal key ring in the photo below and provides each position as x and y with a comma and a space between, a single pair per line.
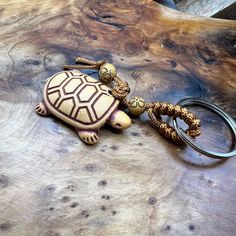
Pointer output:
227, 118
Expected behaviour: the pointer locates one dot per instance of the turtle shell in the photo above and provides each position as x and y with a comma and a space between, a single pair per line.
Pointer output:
79, 99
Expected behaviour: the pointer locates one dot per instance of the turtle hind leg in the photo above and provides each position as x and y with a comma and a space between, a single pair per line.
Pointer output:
88, 136
41, 109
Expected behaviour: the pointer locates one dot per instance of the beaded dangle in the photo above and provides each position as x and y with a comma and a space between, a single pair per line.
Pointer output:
137, 105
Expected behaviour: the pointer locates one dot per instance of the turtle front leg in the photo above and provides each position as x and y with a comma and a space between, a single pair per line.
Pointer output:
88, 136
41, 109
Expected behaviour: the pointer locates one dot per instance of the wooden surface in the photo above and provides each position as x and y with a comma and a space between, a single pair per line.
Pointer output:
204, 7
134, 182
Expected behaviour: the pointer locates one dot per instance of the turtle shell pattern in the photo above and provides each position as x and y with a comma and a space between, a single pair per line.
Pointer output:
79, 99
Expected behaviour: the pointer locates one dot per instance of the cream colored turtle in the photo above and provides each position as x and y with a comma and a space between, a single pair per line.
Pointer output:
82, 102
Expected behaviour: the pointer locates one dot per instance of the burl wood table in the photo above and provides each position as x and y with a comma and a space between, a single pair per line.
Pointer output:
134, 182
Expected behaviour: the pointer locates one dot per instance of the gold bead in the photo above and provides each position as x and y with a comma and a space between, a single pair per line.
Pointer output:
107, 73
136, 106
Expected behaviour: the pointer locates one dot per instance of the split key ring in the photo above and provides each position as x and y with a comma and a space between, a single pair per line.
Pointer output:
226, 117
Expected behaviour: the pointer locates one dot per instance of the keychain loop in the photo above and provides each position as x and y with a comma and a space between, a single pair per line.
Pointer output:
158, 109
227, 118
136, 106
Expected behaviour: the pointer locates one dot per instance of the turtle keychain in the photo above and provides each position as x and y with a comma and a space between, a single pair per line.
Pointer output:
87, 104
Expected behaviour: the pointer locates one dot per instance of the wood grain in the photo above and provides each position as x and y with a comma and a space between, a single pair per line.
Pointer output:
134, 182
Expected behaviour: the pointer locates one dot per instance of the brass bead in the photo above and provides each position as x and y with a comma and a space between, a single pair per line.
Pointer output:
136, 106
107, 73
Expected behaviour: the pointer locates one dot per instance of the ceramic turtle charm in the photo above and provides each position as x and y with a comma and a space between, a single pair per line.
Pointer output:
83, 102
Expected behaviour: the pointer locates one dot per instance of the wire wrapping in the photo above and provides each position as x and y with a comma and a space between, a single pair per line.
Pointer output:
156, 109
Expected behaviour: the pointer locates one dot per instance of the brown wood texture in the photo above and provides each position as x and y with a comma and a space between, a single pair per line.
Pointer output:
134, 182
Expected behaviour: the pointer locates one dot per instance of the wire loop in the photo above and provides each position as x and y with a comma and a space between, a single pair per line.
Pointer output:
227, 118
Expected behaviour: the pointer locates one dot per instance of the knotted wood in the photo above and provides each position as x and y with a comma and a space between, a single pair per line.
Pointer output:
134, 182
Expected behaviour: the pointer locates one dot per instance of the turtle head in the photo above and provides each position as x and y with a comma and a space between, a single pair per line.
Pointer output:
119, 120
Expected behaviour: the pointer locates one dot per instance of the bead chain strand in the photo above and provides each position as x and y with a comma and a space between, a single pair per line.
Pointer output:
154, 109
